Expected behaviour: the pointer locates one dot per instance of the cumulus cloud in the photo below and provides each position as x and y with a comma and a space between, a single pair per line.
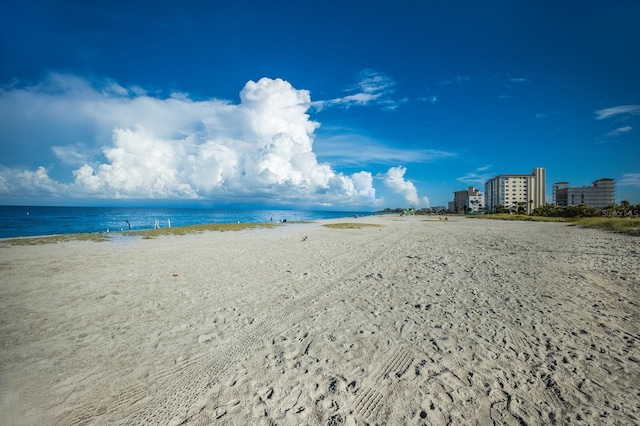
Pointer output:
394, 179
123, 143
139, 165
29, 183
617, 110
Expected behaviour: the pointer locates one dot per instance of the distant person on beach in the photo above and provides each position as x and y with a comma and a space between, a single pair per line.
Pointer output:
128, 224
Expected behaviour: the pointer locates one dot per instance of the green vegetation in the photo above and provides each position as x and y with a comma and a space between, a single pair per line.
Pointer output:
629, 226
350, 225
198, 229
625, 209
53, 239
146, 234
388, 210
508, 216
551, 210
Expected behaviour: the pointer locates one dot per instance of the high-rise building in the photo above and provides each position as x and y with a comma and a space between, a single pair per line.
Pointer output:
514, 191
601, 194
468, 200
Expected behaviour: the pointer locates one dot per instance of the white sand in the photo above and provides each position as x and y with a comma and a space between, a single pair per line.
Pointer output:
414, 322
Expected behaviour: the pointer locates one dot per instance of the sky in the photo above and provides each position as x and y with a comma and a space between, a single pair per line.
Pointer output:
337, 105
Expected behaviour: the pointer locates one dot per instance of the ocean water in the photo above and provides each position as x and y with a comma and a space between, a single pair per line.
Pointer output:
21, 221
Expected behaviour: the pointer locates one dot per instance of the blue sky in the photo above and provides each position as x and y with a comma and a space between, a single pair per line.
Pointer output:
333, 104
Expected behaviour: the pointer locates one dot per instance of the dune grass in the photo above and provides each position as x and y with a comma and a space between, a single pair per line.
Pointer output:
508, 216
54, 239
144, 234
629, 226
198, 229
349, 225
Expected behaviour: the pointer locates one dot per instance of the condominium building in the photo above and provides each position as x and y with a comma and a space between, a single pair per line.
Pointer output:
514, 191
601, 194
469, 200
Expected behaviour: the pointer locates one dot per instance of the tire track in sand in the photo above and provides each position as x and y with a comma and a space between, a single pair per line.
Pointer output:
183, 391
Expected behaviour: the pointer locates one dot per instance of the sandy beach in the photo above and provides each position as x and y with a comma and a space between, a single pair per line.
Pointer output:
410, 321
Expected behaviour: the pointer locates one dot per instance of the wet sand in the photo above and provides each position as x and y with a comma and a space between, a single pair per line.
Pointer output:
412, 321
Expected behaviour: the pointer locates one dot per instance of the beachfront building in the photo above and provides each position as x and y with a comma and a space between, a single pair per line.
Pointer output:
515, 192
469, 200
433, 210
601, 194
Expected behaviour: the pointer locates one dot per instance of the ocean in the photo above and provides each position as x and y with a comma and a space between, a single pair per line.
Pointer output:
23, 221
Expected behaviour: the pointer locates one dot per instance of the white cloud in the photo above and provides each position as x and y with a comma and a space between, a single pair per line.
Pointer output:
372, 87
618, 110
478, 177
394, 179
619, 131
519, 80
139, 165
25, 184
456, 80
348, 148
74, 155
122, 143
430, 99
630, 179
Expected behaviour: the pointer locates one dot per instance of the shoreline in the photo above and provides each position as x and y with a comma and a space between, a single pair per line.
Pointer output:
44, 221
411, 321
179, 230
